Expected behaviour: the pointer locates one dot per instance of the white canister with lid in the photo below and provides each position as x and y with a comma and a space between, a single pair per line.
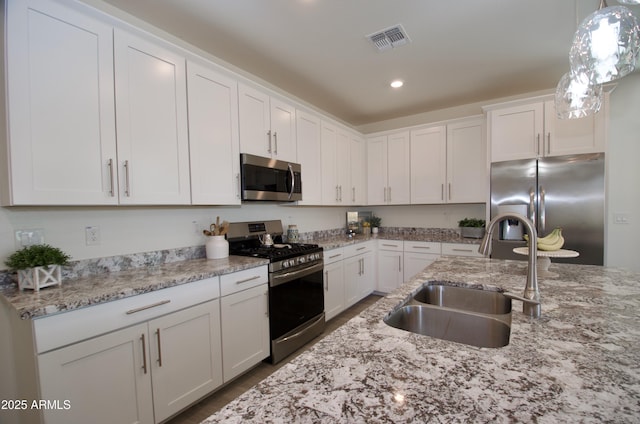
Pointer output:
292, 234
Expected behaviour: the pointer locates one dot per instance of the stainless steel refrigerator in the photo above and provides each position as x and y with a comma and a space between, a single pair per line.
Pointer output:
563, 191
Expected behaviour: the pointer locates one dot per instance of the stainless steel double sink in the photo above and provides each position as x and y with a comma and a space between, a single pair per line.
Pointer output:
471, 316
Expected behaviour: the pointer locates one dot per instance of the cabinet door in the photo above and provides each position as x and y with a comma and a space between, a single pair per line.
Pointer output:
377, 170
334, 290
106, 379
415, 263
60, 94
428, 165
255, 126
213, 137
516, 132
343, 167
283, 130
572, 136
151, 108
309, 156
186, 357
358, 166
467, 173
245, 330
330, 189
398, 169
352, 280
390, 270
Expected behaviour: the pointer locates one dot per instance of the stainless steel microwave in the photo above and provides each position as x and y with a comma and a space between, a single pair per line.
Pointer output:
270, 179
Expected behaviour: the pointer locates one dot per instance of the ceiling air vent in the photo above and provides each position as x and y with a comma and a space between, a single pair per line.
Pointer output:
387, 38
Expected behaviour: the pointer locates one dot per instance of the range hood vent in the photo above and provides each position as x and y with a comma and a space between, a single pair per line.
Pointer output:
387, 38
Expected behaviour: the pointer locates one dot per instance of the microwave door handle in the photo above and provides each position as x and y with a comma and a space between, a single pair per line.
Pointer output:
293, 180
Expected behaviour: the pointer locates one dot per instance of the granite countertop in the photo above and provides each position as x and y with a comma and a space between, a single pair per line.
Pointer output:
98, 288
577, 363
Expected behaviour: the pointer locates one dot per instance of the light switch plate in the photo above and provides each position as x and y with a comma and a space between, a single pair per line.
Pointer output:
621, 218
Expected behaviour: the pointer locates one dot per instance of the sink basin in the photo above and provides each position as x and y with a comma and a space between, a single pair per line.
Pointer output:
453, 325
466, 299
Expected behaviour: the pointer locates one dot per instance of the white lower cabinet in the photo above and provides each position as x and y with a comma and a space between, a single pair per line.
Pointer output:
390, 265
333, 283
245, 321
461, 249
152, 369
418, 255
359, 272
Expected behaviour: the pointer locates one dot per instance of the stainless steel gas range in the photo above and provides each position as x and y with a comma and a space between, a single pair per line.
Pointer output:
296, 286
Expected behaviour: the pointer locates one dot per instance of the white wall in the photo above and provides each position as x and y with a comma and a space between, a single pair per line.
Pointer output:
126, 230
623, 188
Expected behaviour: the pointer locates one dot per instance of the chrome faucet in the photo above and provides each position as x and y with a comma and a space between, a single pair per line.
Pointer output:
531, 298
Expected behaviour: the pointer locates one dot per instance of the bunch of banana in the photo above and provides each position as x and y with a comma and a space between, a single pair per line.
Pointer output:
552, 241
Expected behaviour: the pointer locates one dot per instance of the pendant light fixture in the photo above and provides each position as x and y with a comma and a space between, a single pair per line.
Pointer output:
606, 44
577, 96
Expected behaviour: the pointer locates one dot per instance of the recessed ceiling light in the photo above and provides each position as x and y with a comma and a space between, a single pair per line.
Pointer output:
397, 83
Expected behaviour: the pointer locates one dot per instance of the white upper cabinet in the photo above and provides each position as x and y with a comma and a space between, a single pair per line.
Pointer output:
151, 111
448, 163
358, 166
429, 164
309, 157
467, 170
530, 129
336, 172
61, 137
214, 147
388, 169
267, 125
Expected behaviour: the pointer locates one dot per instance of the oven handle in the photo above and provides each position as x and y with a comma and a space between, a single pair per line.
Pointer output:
301, 332
276, 280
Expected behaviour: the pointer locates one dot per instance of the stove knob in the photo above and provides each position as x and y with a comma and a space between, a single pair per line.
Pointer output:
302, 259
285, 264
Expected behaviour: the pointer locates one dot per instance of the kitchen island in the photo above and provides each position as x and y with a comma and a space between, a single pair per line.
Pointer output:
578, 363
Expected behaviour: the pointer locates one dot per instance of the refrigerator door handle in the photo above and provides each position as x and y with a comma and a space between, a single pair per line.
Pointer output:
532, 205
542, 212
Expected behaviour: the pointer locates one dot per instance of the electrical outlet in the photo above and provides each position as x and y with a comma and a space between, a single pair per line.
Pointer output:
29, 237
92, 236
621, 218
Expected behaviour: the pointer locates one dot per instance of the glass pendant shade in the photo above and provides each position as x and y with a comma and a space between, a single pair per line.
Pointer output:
577, 96
629, 1
606, 45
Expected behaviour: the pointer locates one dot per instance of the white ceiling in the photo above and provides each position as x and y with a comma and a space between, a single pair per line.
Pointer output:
463, 51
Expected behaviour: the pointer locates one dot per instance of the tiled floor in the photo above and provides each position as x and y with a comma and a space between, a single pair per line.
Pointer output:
214, 402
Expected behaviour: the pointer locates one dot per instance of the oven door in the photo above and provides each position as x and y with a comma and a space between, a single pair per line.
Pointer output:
270, 179
295, 297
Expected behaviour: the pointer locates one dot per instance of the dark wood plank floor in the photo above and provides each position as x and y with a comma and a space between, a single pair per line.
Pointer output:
207, 406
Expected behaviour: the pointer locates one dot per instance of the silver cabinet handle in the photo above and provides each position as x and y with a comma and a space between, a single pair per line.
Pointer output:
353, 194
390, 245
441, 191
266, 295
549, 143
449, 191
337, 198
143, 308
159, 348
246, 280
144, 354
399, 264
361, 248
340, 197
112, 192
384, 191
269, 141
538, 144
275, 142
326, 281
462, 250
238, 185
421, 247
127, 187
389, 194
335, 256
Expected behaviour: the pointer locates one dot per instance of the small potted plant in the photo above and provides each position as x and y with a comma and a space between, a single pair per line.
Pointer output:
472, 227
38, 266
374, 222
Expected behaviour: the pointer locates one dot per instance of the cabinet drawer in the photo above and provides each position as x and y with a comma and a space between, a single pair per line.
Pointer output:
69, 327
394, 245
242, 280
461, 249
422, 247
333, 255
357, 249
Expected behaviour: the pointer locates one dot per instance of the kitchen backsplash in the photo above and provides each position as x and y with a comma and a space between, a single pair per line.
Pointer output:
89, 267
